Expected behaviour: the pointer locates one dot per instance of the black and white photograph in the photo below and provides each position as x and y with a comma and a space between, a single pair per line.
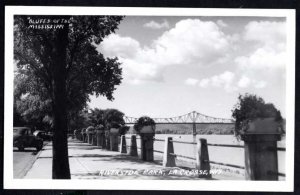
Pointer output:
144, 98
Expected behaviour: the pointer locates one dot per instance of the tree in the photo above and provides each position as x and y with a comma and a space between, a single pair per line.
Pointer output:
80, 120
64, 60
97, 116
113, 118
250, 107
30, 108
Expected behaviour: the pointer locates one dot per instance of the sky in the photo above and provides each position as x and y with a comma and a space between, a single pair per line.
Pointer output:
174, 65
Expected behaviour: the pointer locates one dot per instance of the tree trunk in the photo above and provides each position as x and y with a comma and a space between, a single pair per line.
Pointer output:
60, 162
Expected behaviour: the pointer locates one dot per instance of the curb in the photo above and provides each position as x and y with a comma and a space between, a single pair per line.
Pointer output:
27, 168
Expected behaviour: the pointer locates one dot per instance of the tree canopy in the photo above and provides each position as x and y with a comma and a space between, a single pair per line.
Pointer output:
87, 71
58, 57
113, 118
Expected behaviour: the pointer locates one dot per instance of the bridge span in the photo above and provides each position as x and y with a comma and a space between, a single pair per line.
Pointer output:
189, 118
193, 118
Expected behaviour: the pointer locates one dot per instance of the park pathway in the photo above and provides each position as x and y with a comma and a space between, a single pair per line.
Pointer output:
91, 162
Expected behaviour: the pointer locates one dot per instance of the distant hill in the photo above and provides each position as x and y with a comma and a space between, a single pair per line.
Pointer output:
219, 129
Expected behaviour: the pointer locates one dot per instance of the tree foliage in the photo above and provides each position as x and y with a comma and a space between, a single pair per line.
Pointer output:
97, 116
64, 67
250, 107
87, 72
113, 118
31, 106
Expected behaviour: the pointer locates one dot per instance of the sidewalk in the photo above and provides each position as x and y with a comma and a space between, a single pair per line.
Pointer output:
91, 162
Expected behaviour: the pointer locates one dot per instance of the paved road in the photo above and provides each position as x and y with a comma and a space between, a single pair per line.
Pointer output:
23, 161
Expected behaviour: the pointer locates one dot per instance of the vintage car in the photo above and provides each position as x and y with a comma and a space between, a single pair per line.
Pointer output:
43, 135
23, 138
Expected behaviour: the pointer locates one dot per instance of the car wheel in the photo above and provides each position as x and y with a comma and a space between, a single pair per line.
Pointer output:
39, 146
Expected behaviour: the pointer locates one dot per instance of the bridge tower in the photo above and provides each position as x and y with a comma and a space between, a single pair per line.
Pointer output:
193, 117
194, 129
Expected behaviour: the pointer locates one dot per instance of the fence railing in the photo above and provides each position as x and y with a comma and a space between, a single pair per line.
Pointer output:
201, 159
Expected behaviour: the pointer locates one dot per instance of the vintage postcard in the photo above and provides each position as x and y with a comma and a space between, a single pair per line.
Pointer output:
149, 98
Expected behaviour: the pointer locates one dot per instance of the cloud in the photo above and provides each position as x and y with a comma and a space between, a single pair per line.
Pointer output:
221, 23
154, 25
204, 83
262, 58
270, 51
244, 82
224, 80
115, 45
266, 32
190, 42
191, 81
230, 82
260, 84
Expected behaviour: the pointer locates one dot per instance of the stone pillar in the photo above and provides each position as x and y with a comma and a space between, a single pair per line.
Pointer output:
98, 134
147, 134
168, 159
83, 134
261, 160
133, 147
90, 138
94, 139
202, 159
123, 146
114, 139
107, 140
85, 138
147, 147
102, 140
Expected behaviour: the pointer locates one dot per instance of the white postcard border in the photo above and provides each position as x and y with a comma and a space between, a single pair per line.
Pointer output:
11, 183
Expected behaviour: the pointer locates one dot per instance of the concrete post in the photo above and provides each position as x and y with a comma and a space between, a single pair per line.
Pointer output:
94, 139
114, 139
107, 139
83, 134
87, 138
114, 146
147, 147
202, 159
103, 141
90, 138
261, 160
123, 147
169, 160
98, 137
133, 147
83, 137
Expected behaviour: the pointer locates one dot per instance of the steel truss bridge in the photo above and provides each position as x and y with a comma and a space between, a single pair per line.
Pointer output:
189, 118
